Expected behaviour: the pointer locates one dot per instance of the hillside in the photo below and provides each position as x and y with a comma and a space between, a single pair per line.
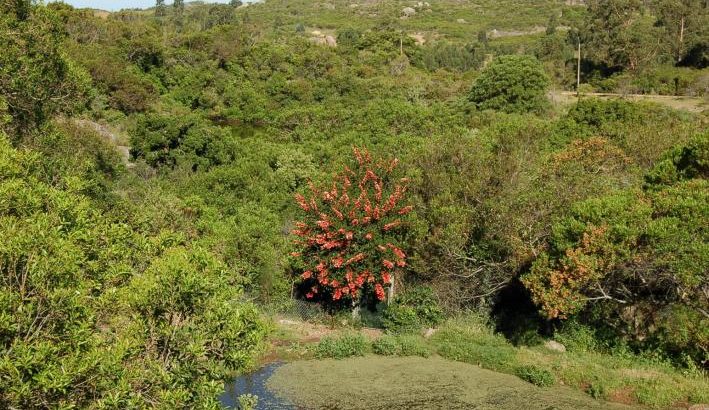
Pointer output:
177, 181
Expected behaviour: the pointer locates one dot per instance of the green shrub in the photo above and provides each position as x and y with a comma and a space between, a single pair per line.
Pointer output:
118, 317
386, 346
398, 318
595, 112
424, 302
342, 347
513, 83
577, 337
597, 390
535, 375
687, 161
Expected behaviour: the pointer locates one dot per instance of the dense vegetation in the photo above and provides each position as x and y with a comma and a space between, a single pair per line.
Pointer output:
133, 280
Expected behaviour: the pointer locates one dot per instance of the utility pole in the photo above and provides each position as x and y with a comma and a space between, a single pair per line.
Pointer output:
578, 72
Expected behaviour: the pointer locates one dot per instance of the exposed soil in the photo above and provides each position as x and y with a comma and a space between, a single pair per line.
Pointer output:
312, 333
691, 104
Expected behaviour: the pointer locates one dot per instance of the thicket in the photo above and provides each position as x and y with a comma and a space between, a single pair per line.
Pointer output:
135, 272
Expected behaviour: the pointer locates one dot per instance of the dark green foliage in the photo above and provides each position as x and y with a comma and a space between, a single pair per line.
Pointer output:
514, 83
450, 56
160, 9
185, 141
425, 304
681, 163
348, 37
535, 375
399, 318
595, 112
577, 337
620, 33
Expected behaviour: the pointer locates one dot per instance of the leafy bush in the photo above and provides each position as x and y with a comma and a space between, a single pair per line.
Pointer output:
535, 375
607, 245
398, 318
595, 112
577, 337
95, 312
514, 83
177, 140
342, 347
349, 241
37, 80
681, 163
425, 303
386, 346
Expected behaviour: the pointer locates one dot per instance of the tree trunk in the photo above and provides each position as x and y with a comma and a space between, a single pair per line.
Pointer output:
681, 40
578, 73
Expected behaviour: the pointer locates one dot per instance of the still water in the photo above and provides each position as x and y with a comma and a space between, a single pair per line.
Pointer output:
255, 383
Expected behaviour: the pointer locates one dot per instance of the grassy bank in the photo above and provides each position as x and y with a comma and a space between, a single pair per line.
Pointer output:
530, 373
373, 382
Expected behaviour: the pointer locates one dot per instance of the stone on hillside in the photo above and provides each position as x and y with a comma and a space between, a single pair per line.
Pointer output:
330, 41
461, 21
418, 38
555, 346
408, 11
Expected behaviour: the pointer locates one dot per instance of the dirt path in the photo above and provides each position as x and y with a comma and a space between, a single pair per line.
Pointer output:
691, 104
375, 382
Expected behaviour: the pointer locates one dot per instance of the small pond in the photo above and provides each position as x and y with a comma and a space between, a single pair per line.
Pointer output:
255, 383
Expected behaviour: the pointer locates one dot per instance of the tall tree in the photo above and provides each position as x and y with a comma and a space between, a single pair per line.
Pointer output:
620, 33
684, 22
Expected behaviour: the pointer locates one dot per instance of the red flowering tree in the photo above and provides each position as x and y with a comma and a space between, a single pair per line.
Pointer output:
349, 236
